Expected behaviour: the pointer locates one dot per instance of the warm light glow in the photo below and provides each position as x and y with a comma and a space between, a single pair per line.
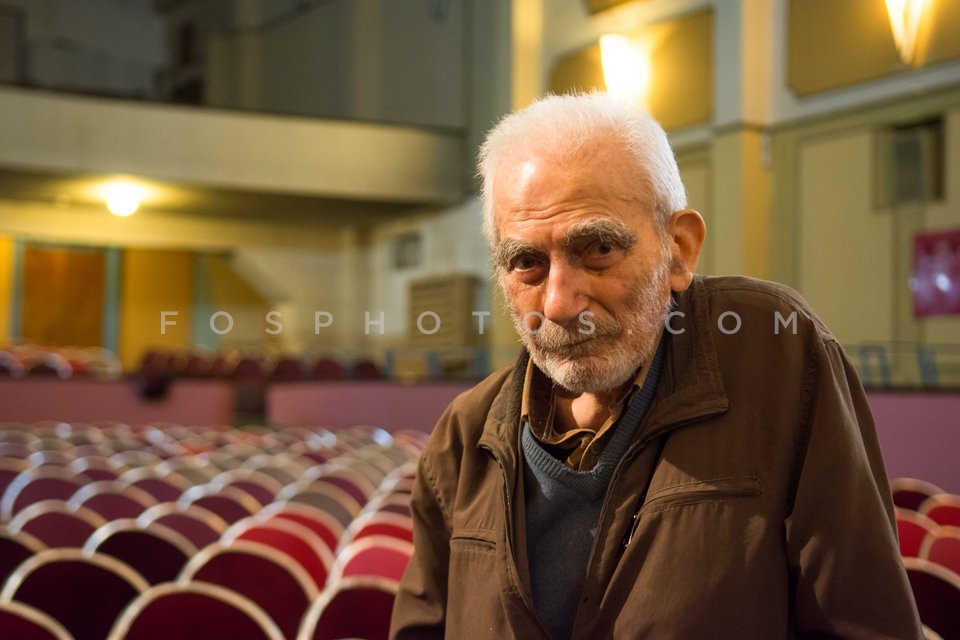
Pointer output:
626, 68
905, 17
123, 198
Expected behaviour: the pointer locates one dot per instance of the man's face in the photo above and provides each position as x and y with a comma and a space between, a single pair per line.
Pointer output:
585, 271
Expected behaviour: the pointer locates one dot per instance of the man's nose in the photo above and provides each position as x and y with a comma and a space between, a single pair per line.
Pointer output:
566, 295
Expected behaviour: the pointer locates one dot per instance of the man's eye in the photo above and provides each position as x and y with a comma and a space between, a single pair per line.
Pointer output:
601, 254
603, 248
524, 263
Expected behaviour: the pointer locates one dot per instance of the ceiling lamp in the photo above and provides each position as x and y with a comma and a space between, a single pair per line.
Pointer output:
905, 17
123, 198
626, 68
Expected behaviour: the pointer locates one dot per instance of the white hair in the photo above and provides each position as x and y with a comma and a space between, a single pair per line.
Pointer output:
571, 122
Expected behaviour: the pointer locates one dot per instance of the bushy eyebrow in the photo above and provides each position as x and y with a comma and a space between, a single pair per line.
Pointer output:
506, 250
604, 229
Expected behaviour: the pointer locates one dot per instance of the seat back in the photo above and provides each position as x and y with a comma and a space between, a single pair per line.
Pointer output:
909, 493
157, 553
112, 500
193, 611
912, 529
320, 522
229, 503
293, 540
196, 524
84, 593
23, 622
937, 593
36, 484
15, 547
56, 524
352, 608
379, 556
283, 589
942, 547
942, 508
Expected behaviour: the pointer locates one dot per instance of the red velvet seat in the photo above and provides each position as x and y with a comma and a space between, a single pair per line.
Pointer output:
84, 593
283, 589
936, 590
379, 523
168, 489
909, 493
262, 487
230, 503
36, 484
15, 547
112, 500
157, 553
324, 496
196, 524
351, 608
320, 522
194, 611
942, 508
359, 487
942, 546
56, 523
378, 556
21, 622
296, 541
912, 529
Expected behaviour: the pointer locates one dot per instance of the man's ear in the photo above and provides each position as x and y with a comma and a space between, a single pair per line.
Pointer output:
686, 232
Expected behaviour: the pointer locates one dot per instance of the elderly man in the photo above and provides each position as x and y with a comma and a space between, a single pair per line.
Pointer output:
671, 456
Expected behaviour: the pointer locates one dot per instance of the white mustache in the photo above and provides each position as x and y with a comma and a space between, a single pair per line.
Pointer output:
553, 337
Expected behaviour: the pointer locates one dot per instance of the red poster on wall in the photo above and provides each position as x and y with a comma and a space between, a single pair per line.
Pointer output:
936, 273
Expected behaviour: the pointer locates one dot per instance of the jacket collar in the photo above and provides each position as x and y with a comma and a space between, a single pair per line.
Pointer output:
690, 385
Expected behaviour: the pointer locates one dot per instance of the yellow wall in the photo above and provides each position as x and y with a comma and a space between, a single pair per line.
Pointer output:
836, 43
152, 281
6, 285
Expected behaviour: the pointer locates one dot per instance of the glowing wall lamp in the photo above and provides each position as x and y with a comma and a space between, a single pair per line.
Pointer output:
123, 198
905, 17
626, 68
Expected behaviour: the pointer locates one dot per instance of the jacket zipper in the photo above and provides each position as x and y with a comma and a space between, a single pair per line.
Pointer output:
509, 521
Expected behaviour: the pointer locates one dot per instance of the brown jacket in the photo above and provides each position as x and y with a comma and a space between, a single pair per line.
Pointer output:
753, 503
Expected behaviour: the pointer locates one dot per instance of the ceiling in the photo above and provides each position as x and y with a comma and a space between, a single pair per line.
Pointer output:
87, 191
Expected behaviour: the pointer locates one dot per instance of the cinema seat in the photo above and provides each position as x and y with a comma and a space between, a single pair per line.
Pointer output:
21, 622
85, 593
157, 553
194, 611
351, 608
282, 588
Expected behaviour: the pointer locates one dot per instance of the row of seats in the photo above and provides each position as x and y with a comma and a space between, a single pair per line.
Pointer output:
268, 534
928, 527
255, 367
30, 360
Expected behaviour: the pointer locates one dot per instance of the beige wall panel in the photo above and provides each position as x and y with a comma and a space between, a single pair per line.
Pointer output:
946, 215
695, 171
836, 43
845, 247
727, 222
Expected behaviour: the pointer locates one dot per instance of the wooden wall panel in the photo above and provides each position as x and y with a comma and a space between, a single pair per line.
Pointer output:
63, 295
